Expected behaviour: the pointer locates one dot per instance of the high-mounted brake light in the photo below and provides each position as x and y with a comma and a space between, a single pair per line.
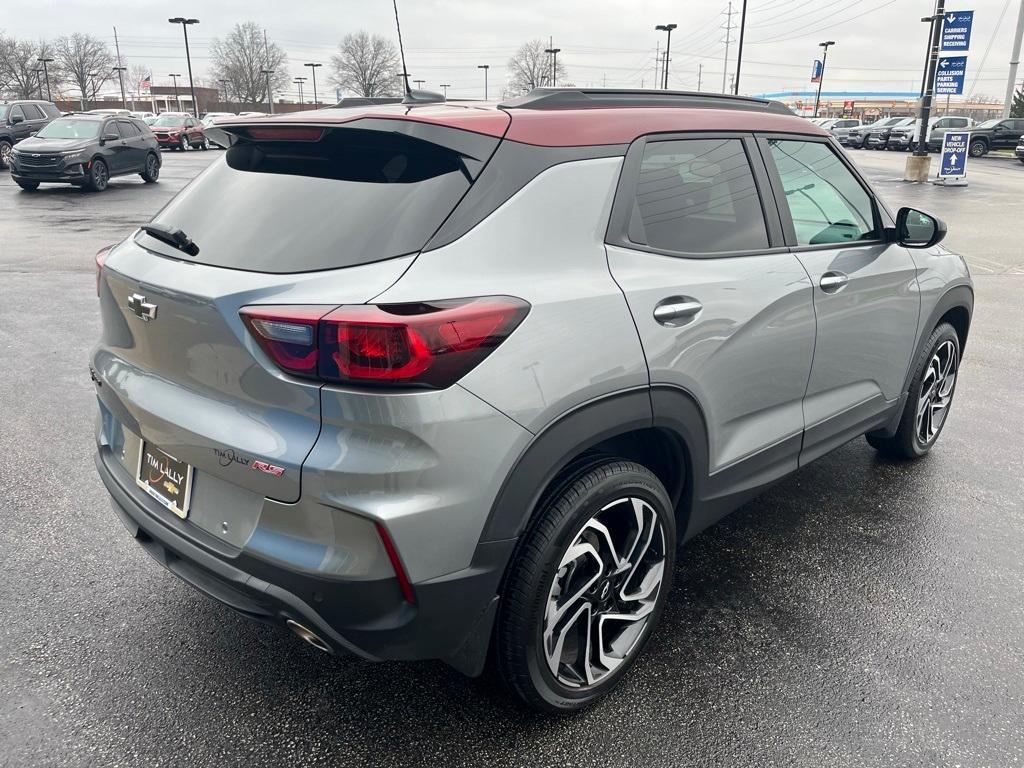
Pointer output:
284, 133
431, 344
101, 257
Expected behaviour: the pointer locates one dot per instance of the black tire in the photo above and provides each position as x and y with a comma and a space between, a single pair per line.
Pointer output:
977, 148
28, 186
909, 442
1021, 159
5, 153
151, 172
565, 516
99, 176
184, 144
205, 145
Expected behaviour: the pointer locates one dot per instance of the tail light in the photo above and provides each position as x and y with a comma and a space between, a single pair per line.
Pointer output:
101, 257
429, 345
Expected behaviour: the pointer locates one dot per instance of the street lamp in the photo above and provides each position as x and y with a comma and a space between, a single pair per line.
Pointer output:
824, 58
484, 67
554, 64
188, 58
313, 68
445, 87
46, 74
174, 76
92, 77
120, 76
270, 97
419, 84
300, 81
668, 47
39, 80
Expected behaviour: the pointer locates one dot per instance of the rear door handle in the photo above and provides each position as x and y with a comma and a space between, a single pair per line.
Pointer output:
833, 282
677, 310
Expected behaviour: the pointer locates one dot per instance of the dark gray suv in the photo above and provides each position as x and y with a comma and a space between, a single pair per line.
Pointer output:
21, 119
432, 380
86, 150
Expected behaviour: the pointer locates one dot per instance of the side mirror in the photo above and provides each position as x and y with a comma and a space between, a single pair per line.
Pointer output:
109, 137
917, 229
15, 119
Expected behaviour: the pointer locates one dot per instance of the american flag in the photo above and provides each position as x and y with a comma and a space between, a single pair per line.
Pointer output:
145, 83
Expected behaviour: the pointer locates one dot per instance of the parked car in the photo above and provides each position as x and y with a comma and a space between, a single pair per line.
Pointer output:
210, 118
995, 134
122, 112
602, 321
857, 136
904, 137
841, 128
142, 115
878, 138
20, 119
86, 150
1019, 150
177, 130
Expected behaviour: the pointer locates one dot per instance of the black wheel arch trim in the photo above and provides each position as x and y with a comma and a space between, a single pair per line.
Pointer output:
959, 297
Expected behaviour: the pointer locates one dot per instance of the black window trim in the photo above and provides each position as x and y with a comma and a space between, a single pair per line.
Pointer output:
622, 206
882, 216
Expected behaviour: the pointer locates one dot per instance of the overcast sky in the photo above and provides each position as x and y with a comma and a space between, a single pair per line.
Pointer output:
880, 44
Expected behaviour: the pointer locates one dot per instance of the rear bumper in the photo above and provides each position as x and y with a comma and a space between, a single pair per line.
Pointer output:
451, 619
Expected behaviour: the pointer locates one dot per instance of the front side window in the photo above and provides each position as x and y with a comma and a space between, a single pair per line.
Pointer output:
697, 196
16, 111
826, 202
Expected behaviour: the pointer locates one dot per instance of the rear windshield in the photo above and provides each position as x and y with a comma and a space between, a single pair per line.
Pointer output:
70, 129
352, 197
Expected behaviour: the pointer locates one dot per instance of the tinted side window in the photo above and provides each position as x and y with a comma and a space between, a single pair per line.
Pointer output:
958, 122
826, 202
32, 112
15, 111
128, 130
697, 196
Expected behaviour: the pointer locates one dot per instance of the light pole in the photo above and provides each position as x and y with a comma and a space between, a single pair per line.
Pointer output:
174, 76
668, 47
188, 58
312, 68
46, 74
824, 59
419, 83
739, 55
445, 87
39, 80
554, 64
1011, 82
120, 76
300, 81
484, 67
270, 96
928, 88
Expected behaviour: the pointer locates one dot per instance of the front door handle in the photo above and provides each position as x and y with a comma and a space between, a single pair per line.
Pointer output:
833, 282
677, 310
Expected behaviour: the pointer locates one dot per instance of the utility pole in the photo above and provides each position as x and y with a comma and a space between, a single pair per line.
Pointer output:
445, 87
1011, 82
312, 68
657, 64
92, 77
419, 84
700, 76
185, 23
728, 39
174, 76
824, 59
484, 67
39, 80
270, 97
929, 87
553, 55
267, 71
300, 81
224, 95
46, 74
668, 47
739, 54
120, 70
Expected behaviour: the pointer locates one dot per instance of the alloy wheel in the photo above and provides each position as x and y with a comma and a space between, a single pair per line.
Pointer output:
5, 154
99, 175
184, 144
604, 592
936, 392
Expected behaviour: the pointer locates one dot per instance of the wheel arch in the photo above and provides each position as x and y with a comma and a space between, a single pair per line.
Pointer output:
955, 306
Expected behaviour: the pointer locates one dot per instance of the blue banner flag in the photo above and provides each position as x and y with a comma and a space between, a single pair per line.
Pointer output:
956, 30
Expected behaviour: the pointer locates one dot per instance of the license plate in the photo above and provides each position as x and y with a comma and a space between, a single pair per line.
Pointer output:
165, 478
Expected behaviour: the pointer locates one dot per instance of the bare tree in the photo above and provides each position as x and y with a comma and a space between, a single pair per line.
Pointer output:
19, 60
134, 77
80, 55
240, 58
531, 67
366, 65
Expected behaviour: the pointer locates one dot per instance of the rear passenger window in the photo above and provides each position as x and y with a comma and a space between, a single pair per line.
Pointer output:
697, 196
826, 202
128, 130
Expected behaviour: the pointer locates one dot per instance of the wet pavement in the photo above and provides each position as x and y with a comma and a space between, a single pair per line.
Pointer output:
861, 613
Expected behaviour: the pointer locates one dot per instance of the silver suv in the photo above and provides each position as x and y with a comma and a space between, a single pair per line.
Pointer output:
429, 380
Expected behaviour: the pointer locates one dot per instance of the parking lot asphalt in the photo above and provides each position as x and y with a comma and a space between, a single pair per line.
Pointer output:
861, 613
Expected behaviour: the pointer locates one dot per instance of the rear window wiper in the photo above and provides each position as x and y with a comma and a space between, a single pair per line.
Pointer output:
173, 237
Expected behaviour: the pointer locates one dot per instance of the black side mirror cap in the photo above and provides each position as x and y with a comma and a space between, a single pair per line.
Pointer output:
15, 119
917, 229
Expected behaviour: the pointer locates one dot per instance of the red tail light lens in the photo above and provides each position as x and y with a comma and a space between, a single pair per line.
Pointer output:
101, 257
398, 345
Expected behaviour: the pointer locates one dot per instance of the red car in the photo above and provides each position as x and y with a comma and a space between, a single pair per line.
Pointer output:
176, 130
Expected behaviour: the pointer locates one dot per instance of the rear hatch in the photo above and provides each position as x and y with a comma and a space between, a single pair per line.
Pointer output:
289, 216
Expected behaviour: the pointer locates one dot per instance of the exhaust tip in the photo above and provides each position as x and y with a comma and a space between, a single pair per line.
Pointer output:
308, 635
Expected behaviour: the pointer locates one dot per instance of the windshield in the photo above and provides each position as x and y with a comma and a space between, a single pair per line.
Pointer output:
70, 129
169, 122
990, 124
